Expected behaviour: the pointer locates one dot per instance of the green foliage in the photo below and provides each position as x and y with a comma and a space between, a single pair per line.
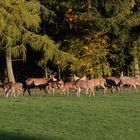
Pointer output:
91, 55
20, 24
100, 37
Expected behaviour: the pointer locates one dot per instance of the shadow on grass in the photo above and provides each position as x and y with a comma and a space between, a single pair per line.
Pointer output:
19, 136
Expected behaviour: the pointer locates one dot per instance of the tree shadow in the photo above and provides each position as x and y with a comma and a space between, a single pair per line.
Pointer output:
18, 136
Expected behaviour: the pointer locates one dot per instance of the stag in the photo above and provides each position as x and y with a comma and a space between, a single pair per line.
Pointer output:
40, 83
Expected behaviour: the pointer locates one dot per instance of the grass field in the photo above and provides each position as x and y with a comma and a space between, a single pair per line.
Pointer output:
110, 117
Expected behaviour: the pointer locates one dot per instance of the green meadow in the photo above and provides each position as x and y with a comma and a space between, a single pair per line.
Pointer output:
110, 117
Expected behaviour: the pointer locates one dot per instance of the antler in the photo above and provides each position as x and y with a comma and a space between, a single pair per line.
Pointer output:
48, 72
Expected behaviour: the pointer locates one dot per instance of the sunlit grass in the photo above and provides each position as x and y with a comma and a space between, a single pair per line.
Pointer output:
110, 117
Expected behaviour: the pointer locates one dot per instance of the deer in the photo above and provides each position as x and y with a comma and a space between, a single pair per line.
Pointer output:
11, 89
76, 78
40, 83
129, 81
6, 86
65, 87
90, 85
52, 86
113, 83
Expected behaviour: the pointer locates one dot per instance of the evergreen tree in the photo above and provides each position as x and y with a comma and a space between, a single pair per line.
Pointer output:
19, 28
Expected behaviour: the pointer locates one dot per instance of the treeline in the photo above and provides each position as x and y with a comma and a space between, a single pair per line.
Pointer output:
92, 37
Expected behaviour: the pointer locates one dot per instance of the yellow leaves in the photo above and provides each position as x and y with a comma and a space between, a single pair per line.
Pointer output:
92, 55
126, 6
135, 21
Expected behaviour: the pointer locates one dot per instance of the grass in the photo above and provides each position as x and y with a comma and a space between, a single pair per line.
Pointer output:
110, 117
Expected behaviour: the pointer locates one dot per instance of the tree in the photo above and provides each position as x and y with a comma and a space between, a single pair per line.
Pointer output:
19, 28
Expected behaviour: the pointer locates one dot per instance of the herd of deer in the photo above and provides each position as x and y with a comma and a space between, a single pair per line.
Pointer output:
49, 85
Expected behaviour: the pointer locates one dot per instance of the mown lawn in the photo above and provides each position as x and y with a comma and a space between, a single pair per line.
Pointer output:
110, 117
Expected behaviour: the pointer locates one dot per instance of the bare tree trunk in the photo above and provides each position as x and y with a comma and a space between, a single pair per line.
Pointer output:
136, 60
59, 74
10, 73
89, 4
136, 67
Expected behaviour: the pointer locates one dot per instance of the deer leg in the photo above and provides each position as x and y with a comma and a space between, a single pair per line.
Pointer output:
104, 89
63, 91
21, 91
87, 92
29, 91
67, 92
78, 92
45, 90
121, 87
49, 91
25, 90
53, 90
14, 92
135, 87
130, 88
8, 92
18, 90
118, 88
93, 92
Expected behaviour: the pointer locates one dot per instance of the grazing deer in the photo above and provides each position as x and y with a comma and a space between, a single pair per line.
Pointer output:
113, 83
12, 88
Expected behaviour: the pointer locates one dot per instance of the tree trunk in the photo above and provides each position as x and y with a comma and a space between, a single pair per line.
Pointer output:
59, 74
89, 4
9, 66
136, 60
136, 67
